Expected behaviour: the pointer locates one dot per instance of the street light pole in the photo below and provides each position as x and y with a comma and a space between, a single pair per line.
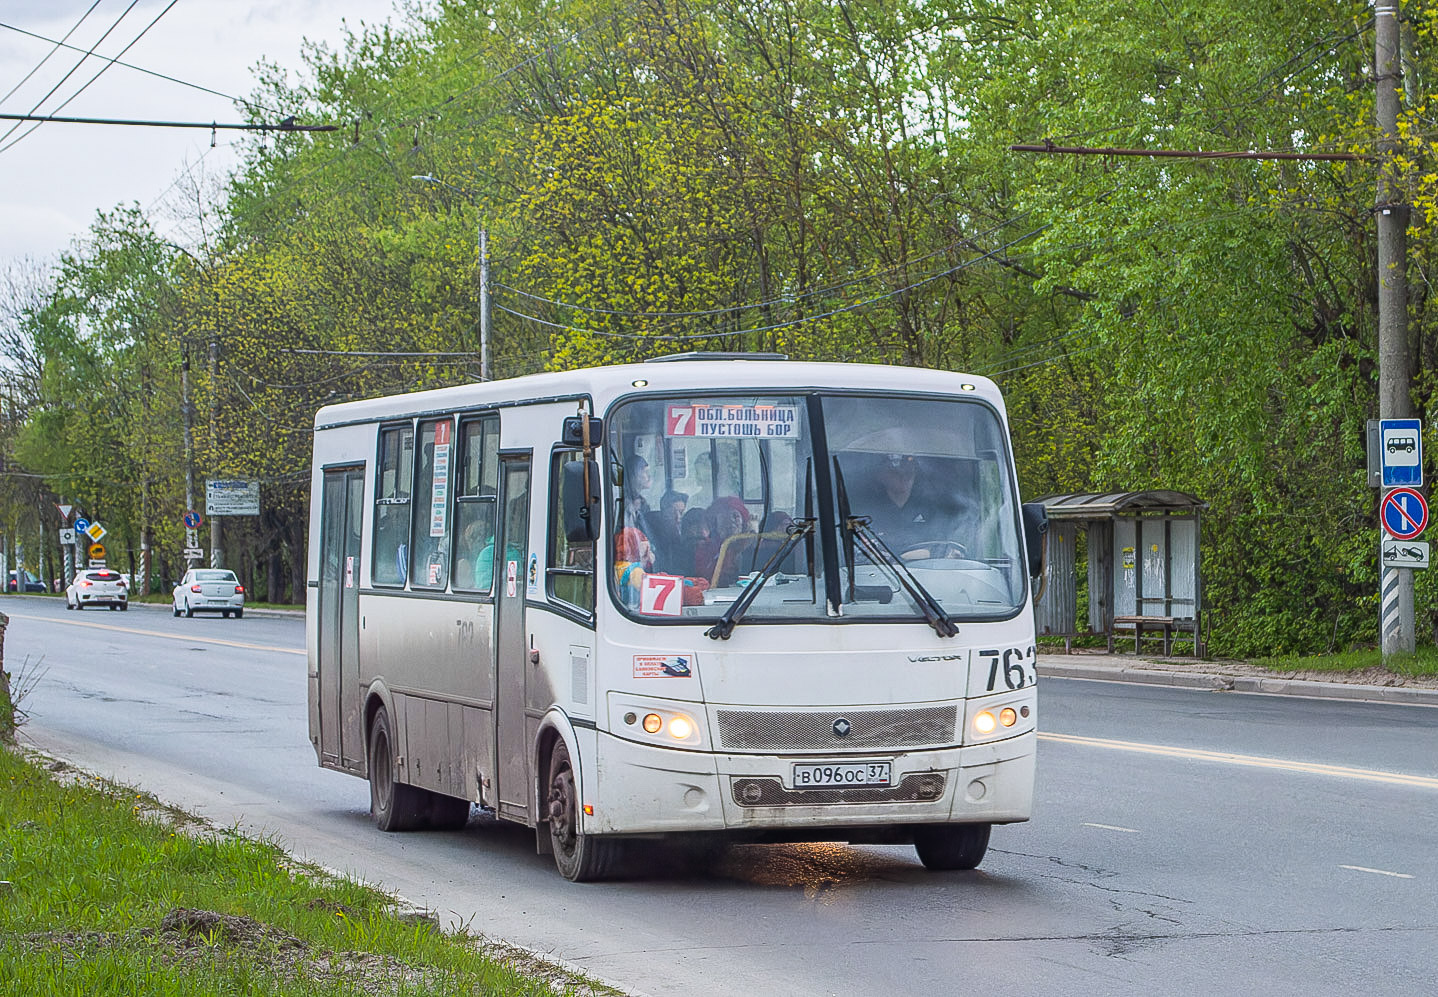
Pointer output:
484, 371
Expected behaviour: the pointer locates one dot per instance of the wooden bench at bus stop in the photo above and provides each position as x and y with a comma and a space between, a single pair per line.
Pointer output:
1166, 624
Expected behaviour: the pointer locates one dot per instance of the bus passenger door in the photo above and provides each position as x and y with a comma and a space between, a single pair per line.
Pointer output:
341, 733
511, 652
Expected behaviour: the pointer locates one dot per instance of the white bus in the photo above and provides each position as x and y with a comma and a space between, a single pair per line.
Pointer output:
722, 596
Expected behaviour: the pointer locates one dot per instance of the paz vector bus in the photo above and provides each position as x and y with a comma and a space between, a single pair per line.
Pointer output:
718, 597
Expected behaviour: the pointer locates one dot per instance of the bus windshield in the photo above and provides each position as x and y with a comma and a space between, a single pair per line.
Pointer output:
926, 482
708, 493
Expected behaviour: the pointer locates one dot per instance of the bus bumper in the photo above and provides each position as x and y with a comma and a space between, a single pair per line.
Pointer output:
645, 789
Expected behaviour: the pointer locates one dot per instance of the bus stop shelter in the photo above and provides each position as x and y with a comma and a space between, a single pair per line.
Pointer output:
1143, 566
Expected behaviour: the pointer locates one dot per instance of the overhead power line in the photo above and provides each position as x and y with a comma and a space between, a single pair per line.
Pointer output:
116, 62
57, 45
98, 73
287, 125
1083, 150
73, 70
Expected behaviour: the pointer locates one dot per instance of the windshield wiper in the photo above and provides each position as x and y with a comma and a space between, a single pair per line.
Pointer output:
724, 626
881, 553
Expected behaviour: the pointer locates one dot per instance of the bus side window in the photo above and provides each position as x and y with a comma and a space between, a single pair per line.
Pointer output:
570, 569
474, 508
389, 558
429, 540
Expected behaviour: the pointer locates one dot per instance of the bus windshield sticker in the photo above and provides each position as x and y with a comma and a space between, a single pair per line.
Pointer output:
661, 595
663, 666
531, 582
752, 421
511, 577
439, 494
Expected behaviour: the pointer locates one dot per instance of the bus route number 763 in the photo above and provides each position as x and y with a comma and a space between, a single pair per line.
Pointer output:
1018, 667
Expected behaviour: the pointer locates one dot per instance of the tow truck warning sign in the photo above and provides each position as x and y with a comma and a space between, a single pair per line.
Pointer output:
757, 421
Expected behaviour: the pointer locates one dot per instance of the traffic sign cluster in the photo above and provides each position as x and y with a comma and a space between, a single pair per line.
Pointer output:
1403, 512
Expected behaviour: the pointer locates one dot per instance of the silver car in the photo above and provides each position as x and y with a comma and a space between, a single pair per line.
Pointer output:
209, 590
97, 587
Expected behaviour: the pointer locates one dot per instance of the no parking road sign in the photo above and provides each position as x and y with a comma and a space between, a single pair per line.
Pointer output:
1404, 513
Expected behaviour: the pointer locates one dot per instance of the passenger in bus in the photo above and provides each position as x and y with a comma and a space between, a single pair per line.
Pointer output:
666, 534
634, 559
731, 517
637, 481
474, 558
694, 530
772, 537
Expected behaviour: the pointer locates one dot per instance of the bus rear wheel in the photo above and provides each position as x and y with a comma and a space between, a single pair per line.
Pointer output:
581, 858
943, 847
393, 805
447, 813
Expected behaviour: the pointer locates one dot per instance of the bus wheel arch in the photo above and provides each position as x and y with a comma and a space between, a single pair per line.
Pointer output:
394, 805
549, 736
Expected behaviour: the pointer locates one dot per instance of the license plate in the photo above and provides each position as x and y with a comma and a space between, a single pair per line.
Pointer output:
826, 775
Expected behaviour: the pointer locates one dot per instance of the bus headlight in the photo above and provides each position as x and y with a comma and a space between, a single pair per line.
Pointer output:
994, 721
653, 722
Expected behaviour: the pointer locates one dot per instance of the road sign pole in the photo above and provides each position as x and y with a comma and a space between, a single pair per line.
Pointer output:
1403, 514
1396, 585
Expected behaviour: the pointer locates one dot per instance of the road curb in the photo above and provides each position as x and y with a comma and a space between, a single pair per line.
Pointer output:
1258, 684
249, 610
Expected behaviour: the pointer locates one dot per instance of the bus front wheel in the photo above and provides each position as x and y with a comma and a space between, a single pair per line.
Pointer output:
580, 857
952, 846
393, 805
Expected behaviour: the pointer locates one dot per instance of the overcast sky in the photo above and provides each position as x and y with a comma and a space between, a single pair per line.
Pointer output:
53, 181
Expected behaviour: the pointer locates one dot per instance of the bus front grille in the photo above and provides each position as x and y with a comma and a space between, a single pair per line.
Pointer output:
836, 729
924, 787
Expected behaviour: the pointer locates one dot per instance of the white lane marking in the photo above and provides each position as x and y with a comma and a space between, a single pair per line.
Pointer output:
156, 633
1251, 761
1112, 827
1377, 872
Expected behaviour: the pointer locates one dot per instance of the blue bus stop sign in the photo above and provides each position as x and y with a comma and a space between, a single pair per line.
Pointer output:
1401, 449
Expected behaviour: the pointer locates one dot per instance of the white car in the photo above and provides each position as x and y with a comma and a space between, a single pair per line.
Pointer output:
97, 587
209, 590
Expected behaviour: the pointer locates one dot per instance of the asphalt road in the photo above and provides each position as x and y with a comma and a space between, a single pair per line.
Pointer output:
1182, 842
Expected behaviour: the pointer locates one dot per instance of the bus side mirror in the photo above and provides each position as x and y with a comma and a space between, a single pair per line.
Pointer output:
573, 434
581, 518
1036, 530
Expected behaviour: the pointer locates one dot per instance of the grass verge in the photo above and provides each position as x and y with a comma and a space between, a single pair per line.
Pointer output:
1424, 662
104, 891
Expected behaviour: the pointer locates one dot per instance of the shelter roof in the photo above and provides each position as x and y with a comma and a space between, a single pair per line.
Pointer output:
1098, 506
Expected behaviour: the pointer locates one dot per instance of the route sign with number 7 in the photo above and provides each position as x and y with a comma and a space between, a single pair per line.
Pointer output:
661, 595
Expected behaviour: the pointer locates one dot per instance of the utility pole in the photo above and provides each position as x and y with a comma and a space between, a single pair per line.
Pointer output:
189, 415
217, 556
1395, 584
483, 303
